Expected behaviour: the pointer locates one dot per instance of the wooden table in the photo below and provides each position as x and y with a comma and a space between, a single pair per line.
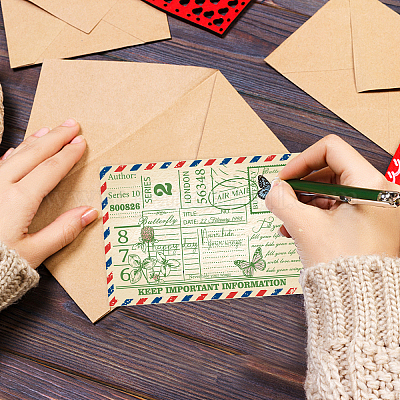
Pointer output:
231, 349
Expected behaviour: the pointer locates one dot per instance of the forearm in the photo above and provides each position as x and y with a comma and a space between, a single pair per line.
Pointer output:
16, 276
353, 319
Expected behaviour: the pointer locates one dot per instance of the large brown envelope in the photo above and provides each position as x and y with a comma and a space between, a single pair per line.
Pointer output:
133, 113
34, 34
346, 56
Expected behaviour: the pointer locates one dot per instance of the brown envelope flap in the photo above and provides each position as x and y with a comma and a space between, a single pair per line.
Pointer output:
340, 96
376, 45
27, 28
81, 14
103, 36
325, 42
139, 20
233, 128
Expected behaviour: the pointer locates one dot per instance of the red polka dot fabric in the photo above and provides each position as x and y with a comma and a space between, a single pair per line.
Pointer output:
213, 15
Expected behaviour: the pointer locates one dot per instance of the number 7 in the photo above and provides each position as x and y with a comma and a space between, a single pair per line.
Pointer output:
126, 253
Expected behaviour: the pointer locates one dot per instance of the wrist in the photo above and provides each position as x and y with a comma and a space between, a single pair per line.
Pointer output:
16, 276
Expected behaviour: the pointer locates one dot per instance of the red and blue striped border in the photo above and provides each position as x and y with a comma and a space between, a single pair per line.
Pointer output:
206, 296
193, 163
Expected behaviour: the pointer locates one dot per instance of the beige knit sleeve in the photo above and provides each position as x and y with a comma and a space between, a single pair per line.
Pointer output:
353, 315
16, 276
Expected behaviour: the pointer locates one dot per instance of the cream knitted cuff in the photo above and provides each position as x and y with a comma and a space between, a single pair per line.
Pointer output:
353, 315
16, 276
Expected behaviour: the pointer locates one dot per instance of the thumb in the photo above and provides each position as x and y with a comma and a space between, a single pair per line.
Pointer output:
283, 203
58, 234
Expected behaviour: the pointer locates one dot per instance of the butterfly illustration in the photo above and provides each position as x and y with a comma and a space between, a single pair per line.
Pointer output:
248, 268
264, 185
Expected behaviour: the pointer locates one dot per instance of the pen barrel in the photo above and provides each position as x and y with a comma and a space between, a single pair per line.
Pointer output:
333, 190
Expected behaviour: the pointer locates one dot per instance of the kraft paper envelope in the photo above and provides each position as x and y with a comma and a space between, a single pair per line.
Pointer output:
82, 14
346, 56
34, 34
133, 113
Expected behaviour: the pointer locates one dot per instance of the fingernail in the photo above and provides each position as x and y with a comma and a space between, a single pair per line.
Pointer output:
77, 139
7, 153
41, 132
69, 122
89, 216
279, 232
275, 182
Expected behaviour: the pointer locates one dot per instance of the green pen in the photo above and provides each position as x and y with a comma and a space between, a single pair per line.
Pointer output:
346, 194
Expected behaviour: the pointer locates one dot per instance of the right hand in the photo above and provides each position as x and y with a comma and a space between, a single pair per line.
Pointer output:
324, 229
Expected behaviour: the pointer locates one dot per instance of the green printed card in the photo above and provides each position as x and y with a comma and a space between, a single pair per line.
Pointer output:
194, 230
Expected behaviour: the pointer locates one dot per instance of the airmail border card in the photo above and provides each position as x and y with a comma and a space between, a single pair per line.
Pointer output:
194, 230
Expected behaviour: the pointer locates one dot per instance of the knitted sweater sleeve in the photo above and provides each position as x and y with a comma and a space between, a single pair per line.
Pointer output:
16, 276
353, 316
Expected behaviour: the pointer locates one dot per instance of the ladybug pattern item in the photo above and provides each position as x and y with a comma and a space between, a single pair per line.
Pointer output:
393, 172
214, 15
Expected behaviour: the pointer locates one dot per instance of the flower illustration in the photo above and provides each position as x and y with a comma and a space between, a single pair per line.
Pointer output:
142, 268
146, 238
147, 234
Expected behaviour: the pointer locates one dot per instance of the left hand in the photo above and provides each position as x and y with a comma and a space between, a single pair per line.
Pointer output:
27, 174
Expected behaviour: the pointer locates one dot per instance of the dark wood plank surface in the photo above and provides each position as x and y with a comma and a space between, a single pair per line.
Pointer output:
230, 349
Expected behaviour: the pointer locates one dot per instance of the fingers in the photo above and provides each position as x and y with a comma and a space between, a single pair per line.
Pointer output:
37, 148
57, 235
325, 175
7, 153
41, 132
331, 151
319, 201
282, 202
46, 176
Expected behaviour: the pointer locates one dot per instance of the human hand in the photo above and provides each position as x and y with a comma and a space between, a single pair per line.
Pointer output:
325, 229
27, 174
